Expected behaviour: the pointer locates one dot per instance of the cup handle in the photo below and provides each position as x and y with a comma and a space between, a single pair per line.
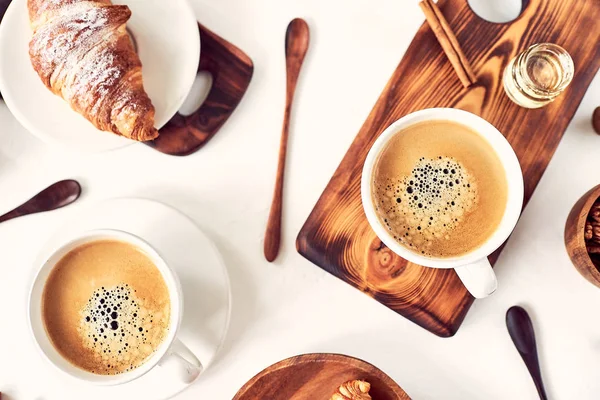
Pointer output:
478, 278
180, 359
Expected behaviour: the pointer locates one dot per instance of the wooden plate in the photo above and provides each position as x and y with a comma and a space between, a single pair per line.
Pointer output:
317, 377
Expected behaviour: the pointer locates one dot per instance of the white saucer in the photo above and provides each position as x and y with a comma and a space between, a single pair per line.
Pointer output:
207, 294
168, 41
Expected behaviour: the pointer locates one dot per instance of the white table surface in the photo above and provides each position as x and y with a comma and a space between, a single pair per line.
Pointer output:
291, 306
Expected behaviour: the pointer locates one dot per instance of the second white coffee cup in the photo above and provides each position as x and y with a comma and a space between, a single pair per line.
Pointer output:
171, 354
473, 268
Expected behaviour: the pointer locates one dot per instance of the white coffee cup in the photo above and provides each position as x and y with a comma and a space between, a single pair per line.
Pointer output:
473, 268
171, 353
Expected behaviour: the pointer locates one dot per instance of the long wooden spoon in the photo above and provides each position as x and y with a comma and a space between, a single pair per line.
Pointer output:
522, 334
296, 44
56, 196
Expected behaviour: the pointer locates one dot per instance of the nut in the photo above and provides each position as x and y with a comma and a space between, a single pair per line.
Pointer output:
596, 120
592, 229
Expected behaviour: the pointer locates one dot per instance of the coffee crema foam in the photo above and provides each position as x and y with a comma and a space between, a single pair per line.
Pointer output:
439, 188
117, 327
432, 201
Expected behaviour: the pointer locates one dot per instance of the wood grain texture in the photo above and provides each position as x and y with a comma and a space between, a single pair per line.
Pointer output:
297, 39
337, 236
232, 71
55, 196
317, 377
574, 236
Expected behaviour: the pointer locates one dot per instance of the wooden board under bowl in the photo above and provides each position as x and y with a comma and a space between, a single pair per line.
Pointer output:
337, 236
317, 377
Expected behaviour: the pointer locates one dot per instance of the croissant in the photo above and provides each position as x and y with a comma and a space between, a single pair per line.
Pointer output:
353, 390
82, 52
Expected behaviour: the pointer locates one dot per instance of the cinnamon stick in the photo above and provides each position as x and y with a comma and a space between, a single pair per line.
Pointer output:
448, 41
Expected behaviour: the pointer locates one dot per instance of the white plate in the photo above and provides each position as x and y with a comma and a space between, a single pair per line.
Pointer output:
168, 41
206, 291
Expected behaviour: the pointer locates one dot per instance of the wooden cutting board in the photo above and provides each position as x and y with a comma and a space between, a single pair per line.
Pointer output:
337, 236
317, 377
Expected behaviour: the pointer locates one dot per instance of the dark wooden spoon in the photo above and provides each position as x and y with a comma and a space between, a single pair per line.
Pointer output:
522, 334
56, 196
296, 44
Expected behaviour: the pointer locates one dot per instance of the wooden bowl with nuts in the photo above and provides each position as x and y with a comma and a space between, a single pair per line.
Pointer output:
582, 235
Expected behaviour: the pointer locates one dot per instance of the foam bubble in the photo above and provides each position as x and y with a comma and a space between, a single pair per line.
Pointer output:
119, 330
427, 205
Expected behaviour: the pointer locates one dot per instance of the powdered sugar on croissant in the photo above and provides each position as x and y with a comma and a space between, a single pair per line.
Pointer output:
81, 51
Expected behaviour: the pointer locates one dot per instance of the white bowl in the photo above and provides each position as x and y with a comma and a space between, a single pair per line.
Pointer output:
168, 42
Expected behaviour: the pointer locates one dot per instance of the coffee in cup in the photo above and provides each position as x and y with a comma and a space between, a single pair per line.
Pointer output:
106, 307
439, 188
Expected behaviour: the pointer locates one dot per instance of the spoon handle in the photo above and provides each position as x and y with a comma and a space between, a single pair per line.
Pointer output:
296, 44
54, 197
273, 233
522, 334
9, 215
533, 365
